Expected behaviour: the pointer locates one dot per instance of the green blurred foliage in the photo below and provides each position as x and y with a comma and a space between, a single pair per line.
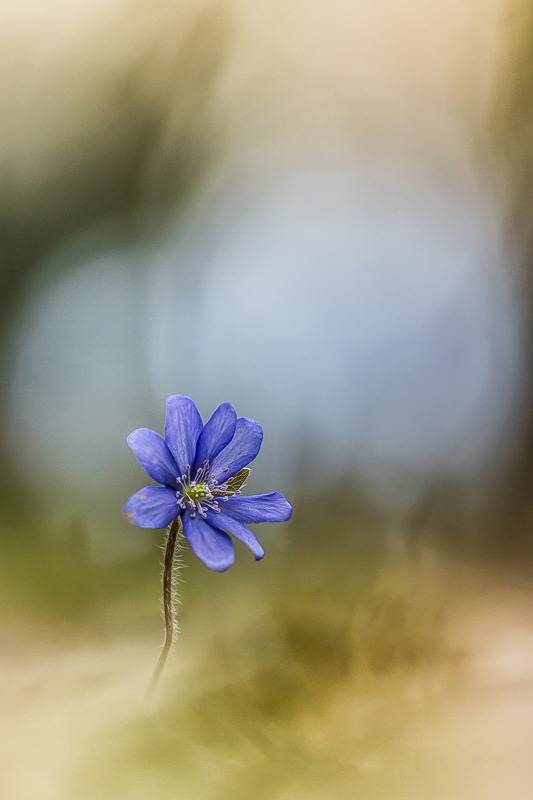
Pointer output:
265, 651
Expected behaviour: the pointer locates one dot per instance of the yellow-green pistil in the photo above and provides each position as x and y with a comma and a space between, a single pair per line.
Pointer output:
198, 491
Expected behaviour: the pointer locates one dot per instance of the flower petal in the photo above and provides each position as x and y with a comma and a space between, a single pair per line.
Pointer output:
217, 433
271, 507
152, 507
238, 530
183, 426
213, 547
154, 456
242, 449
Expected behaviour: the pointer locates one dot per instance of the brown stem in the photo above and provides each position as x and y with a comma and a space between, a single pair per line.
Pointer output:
174, 532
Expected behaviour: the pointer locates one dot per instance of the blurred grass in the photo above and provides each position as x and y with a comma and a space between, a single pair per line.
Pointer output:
288, 675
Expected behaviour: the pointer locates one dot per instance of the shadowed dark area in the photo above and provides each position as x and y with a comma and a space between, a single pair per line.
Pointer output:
512, 130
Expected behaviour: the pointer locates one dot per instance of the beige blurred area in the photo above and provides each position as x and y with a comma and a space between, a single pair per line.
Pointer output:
319, 211
358, 673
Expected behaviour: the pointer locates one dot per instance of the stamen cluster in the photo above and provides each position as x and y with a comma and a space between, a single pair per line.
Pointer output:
202, 492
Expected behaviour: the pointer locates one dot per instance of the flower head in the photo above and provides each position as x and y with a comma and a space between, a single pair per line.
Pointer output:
202, 469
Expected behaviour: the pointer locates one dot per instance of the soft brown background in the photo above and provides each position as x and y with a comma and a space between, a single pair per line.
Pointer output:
321, 213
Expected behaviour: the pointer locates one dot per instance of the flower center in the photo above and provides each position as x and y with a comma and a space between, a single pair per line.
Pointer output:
204, 492
198, 491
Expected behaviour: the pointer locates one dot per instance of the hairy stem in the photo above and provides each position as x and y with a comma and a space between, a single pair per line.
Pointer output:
174, 532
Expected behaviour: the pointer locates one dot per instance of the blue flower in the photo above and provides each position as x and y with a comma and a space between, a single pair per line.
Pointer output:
201, 469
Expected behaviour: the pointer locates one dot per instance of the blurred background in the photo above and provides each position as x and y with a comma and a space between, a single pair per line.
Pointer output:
320, 212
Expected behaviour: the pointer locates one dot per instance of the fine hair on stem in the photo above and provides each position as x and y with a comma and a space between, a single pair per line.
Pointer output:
173, 546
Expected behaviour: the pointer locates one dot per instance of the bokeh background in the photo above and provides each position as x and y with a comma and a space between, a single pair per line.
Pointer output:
320, 212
